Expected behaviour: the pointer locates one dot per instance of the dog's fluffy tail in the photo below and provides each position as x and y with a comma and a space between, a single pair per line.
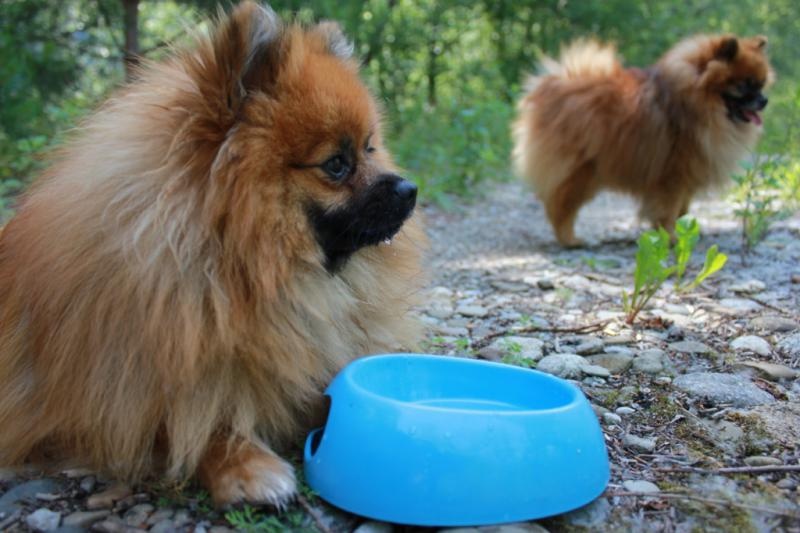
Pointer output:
579, 60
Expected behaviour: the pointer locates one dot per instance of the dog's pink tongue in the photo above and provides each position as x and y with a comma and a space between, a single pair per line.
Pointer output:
754, 117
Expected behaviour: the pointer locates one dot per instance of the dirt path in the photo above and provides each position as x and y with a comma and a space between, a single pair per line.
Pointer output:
706, 382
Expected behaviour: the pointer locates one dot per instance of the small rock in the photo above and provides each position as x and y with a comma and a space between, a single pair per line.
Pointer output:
721, 388
762, 460
521, 527
374, 527
690, 347
545, 284
220, 529
106, 499
88, 483
509, 286
641, 444
771, 371
563, 365
441, 312
182, 517
523, 347
650, 361
164, 526
112, 524
159, 515
751, 286
475, 311
137, 515
786, 484
625, 337
640, 486
790, 345
624, 410
590, 516
85, 518
7, 474
611, 418
738, 305
43, 520
663, 380
595, 370
774, 324
590, 346
751, 343
616, 363
199, 529
26, 492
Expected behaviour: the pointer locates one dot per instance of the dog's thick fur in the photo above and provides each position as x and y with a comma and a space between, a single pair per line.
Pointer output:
167, 306
662, 134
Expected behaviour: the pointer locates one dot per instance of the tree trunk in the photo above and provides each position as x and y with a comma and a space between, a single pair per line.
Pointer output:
131, 8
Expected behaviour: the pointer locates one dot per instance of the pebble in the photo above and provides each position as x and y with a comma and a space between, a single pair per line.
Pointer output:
750, 286
43, 520
374, 527
106, 499
26, 491
524, 347
590, 346
475, 311
615, 363
159, 515
624, 410
595, 370
762, 460
521, 527
590, 516
545, 284
85, 518
738, 305
137, 515
650, 361
786, 484
775, 324
182, 517
790, 345
721, 388
639, 443
563, 365
751, 343
623, 338
611, 418
164, 526
690, 347
640, 486
772, 371
220, 529
88, 483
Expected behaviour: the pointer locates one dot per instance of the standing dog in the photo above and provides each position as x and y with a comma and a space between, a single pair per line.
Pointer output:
662, 134
212, 247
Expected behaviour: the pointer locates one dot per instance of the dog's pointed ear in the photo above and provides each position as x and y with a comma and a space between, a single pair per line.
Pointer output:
244, 54
760, 41
334, 39
727, 49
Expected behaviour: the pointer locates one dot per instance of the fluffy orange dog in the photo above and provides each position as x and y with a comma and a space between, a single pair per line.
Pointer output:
180, 286
662, 134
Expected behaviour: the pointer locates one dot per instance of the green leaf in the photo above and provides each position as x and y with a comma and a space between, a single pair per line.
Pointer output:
715, 260
687, 233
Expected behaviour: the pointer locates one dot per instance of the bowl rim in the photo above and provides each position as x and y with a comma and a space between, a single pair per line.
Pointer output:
347, 374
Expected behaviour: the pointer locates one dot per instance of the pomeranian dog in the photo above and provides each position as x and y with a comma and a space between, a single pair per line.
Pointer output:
662, 134
217, 241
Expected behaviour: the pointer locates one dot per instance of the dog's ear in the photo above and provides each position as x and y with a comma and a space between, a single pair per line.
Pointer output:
727, 49
243, 55
334, 39
760, 42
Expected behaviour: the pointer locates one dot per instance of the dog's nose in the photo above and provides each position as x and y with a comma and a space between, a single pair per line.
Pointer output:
762, 101
405, 190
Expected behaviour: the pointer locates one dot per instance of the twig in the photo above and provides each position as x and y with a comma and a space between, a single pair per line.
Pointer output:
8, 521
596, 326
733, 469
702, 499
314, 514
768, 305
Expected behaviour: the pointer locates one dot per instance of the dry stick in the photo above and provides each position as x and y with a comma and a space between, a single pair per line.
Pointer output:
768, 305
710, 501
314, 514
733, 469
596, 326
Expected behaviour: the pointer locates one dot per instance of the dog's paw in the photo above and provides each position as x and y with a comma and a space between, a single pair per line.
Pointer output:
253, 476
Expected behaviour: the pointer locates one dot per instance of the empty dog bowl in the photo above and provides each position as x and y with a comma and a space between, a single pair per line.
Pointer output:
443, 441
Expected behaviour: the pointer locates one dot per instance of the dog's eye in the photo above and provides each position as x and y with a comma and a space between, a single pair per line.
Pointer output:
336, 167
370, 149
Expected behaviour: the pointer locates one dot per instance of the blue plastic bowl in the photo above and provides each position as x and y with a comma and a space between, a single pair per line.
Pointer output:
443, 441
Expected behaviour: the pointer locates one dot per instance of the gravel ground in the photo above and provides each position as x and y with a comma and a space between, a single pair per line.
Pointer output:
699, 401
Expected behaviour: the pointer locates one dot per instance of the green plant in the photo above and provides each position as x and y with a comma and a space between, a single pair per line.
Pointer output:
249, 520
653, 267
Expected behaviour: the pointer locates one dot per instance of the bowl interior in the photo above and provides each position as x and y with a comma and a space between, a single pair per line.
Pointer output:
460, 384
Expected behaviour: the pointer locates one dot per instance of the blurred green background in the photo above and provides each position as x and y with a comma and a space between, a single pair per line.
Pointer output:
448, 72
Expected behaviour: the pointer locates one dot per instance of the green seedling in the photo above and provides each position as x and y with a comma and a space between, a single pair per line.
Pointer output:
653, 265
